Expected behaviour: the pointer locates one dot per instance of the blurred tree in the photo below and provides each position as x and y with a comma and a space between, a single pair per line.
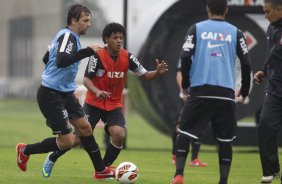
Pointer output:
98, 21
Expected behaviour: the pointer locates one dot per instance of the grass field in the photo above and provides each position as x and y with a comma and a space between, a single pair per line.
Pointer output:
21, 121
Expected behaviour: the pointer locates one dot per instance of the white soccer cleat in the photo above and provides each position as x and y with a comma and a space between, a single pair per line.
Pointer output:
268, 179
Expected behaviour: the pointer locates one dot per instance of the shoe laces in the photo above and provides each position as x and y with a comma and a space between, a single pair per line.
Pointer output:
48, 164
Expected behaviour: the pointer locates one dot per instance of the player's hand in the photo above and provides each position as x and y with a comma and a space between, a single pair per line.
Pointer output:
95, 48
258, 77
161, 66
103, 94
185, 95
238, 97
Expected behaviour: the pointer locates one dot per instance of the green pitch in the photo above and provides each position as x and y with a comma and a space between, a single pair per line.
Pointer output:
21, 121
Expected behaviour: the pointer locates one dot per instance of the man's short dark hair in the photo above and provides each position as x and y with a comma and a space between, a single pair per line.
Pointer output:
274, 2
217, 7
75, 10
112, 28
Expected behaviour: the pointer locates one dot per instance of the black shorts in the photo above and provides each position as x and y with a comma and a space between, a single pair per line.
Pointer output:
198, 112
58, 108
179, 114
112, 117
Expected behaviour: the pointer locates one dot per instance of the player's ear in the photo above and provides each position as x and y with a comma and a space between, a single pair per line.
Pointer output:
226, 11
73, 20
207, 9
106, 39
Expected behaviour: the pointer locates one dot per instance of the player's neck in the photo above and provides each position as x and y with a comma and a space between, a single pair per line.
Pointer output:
73, 29
112, 53
217, 17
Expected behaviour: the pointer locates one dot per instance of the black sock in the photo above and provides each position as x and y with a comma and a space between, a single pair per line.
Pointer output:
111, 154
106, 140
45, 146
223, 181
92, 148
174, 135
57, 154
195, 149
181, 152
225, 160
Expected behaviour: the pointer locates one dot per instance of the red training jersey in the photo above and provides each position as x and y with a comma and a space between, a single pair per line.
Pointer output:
109, 74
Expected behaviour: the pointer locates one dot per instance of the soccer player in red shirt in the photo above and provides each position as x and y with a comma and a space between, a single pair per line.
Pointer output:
105, 79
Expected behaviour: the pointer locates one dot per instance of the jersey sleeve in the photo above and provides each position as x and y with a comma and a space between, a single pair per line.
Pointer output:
94, 64
188, 49
178, 67
135, 66
242, 53
68, 53
45, 58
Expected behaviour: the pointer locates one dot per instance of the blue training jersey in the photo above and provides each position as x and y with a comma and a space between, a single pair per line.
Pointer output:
208, 59
215, 55
63, 78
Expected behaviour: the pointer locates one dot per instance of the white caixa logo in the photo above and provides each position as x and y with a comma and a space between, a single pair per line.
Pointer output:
116, 75
216, 36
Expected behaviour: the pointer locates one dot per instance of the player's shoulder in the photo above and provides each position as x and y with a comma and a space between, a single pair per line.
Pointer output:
124, 51
66, 34
240, 33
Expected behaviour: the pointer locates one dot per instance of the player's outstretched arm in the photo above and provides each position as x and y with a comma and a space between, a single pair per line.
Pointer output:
161, 68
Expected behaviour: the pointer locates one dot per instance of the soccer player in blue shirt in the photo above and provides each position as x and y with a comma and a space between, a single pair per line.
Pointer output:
208, 75
56, 98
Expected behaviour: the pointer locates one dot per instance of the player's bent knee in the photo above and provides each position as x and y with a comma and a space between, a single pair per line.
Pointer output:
76, 141
119, 136
65, 142
118, 140
84, 130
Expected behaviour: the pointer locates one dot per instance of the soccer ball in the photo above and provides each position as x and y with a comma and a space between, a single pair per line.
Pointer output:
126, 173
